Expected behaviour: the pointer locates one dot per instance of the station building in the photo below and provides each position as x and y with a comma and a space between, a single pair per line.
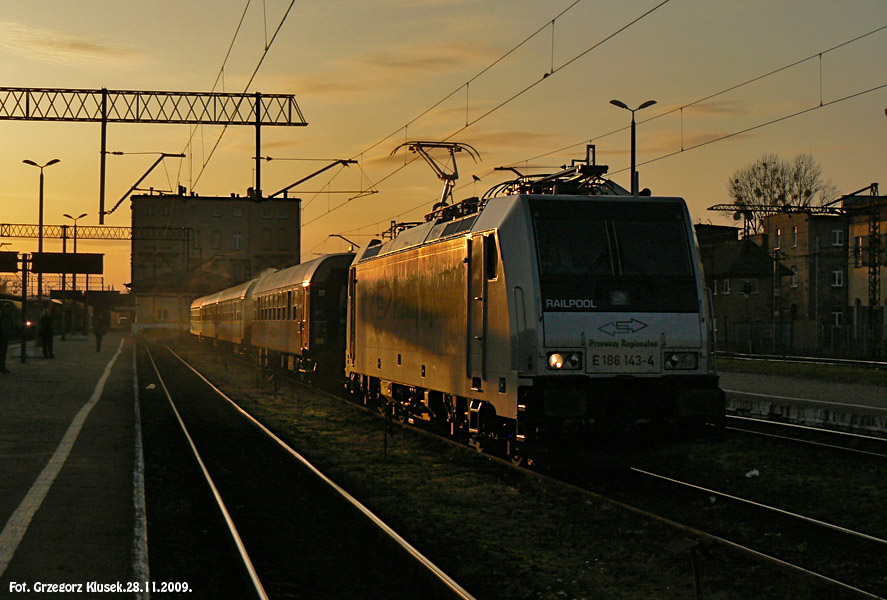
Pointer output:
204, 244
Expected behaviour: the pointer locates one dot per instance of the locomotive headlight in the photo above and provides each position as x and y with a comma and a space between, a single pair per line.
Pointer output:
567, 361
677, 361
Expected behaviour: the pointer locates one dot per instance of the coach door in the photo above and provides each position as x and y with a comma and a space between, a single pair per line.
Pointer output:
477, 311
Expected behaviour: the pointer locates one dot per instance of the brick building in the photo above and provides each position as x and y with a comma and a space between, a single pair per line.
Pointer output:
740, 275
205, 244
867, 272
813, 299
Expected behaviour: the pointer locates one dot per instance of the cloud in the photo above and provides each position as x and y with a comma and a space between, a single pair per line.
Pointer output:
389, 71
60, 48
719, 108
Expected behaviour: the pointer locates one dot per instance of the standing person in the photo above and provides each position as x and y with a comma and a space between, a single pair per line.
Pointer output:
99, 327
6, 328
46, 334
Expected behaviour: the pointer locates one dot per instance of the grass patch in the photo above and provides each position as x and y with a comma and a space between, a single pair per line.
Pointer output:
499, 532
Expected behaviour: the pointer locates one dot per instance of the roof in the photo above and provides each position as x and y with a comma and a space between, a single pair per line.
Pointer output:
740, 258
301, 274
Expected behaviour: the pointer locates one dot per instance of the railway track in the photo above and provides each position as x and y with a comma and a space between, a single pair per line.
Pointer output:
820, 548
866, 445
291, 532
773, 538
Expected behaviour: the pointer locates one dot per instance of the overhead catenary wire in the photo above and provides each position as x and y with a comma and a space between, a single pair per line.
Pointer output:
470, 123
731, 88
821, 104
219, 77
267, 48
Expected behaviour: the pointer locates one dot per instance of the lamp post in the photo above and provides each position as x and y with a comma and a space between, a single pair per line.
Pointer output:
634, 174
40, 224
75, 219
74, 275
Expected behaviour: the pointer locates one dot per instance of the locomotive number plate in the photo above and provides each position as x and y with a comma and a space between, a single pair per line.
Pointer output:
629, 362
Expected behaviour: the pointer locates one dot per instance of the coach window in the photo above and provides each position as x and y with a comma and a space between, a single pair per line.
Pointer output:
289, 305
491, 255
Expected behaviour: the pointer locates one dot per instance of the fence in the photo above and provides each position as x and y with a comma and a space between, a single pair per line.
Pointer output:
854, 340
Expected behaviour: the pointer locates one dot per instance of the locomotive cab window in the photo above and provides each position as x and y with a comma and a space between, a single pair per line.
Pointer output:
618, 256
491, 257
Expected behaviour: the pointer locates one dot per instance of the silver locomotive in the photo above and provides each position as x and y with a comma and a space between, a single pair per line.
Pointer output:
553, 304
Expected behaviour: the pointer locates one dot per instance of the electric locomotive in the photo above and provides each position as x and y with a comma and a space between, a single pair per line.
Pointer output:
554, 304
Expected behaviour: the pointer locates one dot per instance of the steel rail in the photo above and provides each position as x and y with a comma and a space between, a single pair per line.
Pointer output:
437, 571
697, 534
703, 536
838, 362
238, 542
781, 511
810, 429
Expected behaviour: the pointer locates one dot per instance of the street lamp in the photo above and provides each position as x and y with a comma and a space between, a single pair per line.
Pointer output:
634, 174
74, 275
75, 219
40, 225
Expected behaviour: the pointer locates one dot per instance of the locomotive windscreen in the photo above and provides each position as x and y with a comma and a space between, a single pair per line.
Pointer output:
613, 256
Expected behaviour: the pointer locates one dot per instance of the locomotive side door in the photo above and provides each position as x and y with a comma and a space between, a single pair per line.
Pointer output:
477, 312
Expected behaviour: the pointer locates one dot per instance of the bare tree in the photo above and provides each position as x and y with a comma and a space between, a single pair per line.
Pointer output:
769, 184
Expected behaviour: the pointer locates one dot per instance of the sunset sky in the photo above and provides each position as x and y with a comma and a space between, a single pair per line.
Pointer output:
369, 75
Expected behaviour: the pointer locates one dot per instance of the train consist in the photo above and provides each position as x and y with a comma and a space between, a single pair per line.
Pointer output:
553, 305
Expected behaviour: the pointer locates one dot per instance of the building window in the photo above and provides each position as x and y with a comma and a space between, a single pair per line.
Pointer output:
837, 316
238, 240
216, 240
217, 212
267, 213
725, 287
195, 235
794, 277
282, 239
283, 213
777, 241
750, 286
838, 278
837, 237
794, 237
237, 211
714, 287
858, 248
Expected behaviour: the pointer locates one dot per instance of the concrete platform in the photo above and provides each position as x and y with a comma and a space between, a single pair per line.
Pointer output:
71, 505
852, 407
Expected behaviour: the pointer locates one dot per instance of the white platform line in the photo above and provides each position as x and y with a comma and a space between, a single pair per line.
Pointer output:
140, 537
18, 523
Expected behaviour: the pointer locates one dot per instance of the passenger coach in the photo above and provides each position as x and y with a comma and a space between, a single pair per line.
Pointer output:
298, 317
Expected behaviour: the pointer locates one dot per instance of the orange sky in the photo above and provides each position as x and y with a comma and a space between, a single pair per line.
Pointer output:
365, 73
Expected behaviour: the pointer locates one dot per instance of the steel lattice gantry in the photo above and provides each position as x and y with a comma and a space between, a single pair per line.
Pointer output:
126, 106
87, 232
